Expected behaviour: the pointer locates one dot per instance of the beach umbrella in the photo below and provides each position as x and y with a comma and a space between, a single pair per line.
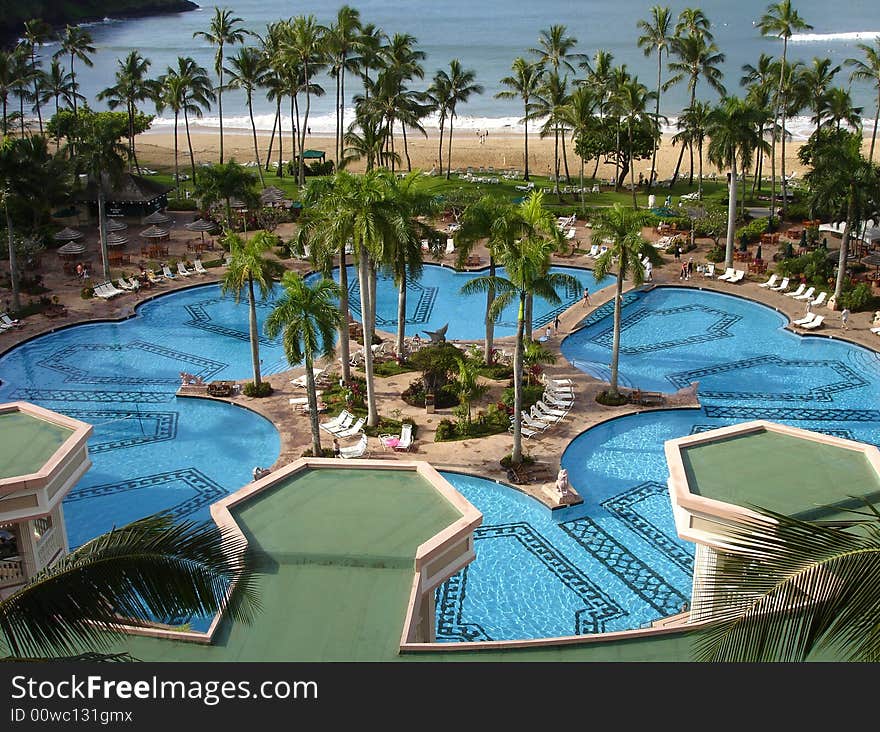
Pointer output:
201, 225
872, 259
116, 225
116, 240
154, 232
71, 249
157, 217
237, 203
271, 195
68, 234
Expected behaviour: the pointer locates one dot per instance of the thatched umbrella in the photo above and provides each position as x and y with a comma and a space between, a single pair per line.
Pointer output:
157, 217
201, 225
71, 249
68, 234
116, 225
271, 195
154, 232
116, 240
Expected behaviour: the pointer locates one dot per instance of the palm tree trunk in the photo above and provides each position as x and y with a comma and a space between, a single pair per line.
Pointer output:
73, 84
341, 108
343, 308
526, 123
102, 230
254, 333
731, 215
556, 162
677, 165
313, 404
440, 156
250, 105
220, 98
565, 158
773, 172
192, 159
406, 148
338, 124
527, 327
294, 126
615, 340
366, 308
782, 115
516, 454
490, 322
874, 133
303, 129
844, 245
280, 172
401, 315
272, 136
632, 183
6, 115
700, 153
449, 148
176, 172
36, 89
656, 116
13, 264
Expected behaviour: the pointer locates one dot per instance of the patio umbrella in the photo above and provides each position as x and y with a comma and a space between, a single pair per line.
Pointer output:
803, 238
271, 195
154, 232
872, 259
116, 225
157, 217
68, 234
758, 252
71, 249
237, 203
116, 240
201, 225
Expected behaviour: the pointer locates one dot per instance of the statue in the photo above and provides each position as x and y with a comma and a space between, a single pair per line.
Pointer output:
562, 482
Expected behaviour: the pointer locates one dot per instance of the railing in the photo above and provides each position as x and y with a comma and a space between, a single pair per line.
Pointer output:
48, 546
11, 572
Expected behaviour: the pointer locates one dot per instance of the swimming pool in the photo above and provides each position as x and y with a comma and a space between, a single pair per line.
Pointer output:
435, 299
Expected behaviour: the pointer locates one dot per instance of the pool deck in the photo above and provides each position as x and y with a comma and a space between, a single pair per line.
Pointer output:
480, 456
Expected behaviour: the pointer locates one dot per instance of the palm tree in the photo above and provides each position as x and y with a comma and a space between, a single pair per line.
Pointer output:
656, 37
11, 191
524, 84
370, 53
36, 33
271, 46
781, 21
76, 43
732, 131
694, 122
369, 143
632, 100
467, 383
8, 75
132, 86
249, 267
526, 262
153, 567
622, 227
197, 97
460, 88
172, 95
224, 31
792, 589
814, 82
438, 94
693, 22
580, 115
838, 109
247, 71
57, 85
22, 81
342, 43
402, 63
307, 317
307, 48
224, 182
868, 70
759, 81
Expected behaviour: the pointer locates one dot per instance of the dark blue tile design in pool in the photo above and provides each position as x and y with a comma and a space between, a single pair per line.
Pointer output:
203, 491
793, 414
606, 310
845, 434
104, 397
65, 361
634, 573
600, 606
200, 317
421, 313
625, 507
719, 328
449, 598
162, 427
850, 379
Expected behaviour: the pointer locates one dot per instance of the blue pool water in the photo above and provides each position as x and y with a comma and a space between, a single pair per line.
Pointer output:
436, 299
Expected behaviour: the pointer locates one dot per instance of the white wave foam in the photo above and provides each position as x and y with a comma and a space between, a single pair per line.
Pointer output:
822, 37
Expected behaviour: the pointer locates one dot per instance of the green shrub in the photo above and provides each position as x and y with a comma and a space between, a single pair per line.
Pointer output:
445, 430
325, 452
530, 395
857, 297
183, 204
753, 230
507, 460
86, 293
611, 400
716, 254
816, 266
252, 390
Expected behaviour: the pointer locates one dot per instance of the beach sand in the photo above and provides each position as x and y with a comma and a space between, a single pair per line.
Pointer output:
500, 150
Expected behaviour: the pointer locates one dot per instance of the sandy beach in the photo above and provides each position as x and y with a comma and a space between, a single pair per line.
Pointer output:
500, 150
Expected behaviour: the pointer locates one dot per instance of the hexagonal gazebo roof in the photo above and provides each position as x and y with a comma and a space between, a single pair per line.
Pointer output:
719, 476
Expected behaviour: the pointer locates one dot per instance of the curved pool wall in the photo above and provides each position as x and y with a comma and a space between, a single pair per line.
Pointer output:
435, 299
150, 450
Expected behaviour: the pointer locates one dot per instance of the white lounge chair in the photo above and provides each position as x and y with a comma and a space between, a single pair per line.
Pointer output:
557, 402
771, 282
354, 451
169, 275
534, 423
339, 422
524, 430
814, 323
738, 276
402, 442
536, 414
710, 270
782, 286
355, 429
182, 270
124, 284
819, 300
728, 273
302, 381
808, 295
450, 246
799, 291
594, 251
9, 322
550, 411
558, 382
199, 267
806, 319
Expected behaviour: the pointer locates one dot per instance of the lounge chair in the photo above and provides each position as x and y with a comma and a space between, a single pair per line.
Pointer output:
106, 290
355, 429
819, 300
124, 284
539, 416
533, 422
728, 273
782, 286
354, 451
199, 267
814, 323
181, 269
437, 336
709, 271
168, 274
808, 295
806, 319
153, 278
542, 411
738, 276
796, 293
771, 282
554, 411
302, 381
450, 246
402, 442
594, 251
339, 422
8, 322
558, 382
556, 401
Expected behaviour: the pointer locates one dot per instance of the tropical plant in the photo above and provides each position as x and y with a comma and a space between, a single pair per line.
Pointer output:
251, 269
307, 51
76, 43
36, 33
869, 71
622, 227
225, 30
342, 45
524, 83
460, 85
656, 37
468, 385
247, 71
150, 568
306, 316
535, 355
223, 182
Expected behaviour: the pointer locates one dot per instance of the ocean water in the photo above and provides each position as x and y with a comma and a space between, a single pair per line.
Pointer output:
486, 36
